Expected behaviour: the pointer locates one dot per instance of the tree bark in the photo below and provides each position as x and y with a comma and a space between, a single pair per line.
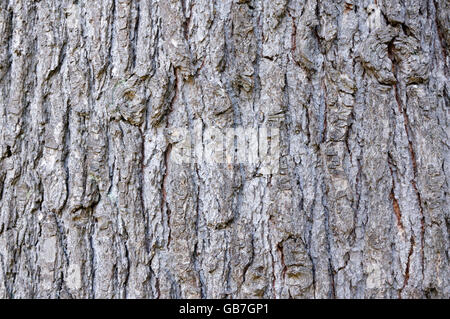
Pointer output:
92, 204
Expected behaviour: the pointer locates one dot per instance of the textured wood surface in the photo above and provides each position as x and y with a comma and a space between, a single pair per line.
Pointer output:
92, 204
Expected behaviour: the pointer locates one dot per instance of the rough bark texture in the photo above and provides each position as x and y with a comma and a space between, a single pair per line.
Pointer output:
91, 206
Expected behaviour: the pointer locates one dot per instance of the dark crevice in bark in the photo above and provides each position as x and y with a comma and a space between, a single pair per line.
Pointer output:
187, 19
283, 265
408, 262
112, 28
403, 111
134, 34
441, 35
92, 261
127, 270
164, 203
199, 271
395, 205
328, 234
325, 112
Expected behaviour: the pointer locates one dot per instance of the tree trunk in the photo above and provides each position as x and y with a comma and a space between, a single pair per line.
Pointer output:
354, 93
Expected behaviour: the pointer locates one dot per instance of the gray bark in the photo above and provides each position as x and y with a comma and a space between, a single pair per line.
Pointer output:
91, 205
